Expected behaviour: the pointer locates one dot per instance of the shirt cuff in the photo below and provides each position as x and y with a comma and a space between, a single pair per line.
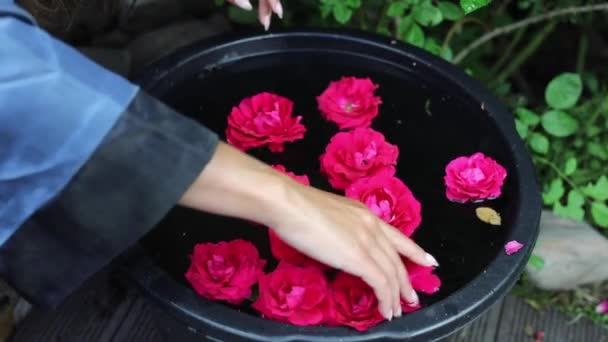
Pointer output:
140, 171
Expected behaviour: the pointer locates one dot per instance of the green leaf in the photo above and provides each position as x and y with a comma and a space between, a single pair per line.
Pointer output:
469, 6
539, 143
559, 124
564, 91
571, 165
432, 46
599, 212
536, 262
554, 192
574, 208
597, 150
447, 53
599, 190
521, 128
414, 35
397, 9
527, 116
575, 198
427, 15
450, 10
593, 131
342, 14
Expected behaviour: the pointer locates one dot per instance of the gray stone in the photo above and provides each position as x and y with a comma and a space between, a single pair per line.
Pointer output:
574, 254
116, 60
153, 45
137, 16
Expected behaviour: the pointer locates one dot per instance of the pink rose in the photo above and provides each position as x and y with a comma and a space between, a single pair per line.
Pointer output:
473, 178
350, 102
390, 199
353, 303
226, 270
302, 179
353, 155
422, 277
602, 308
296, 295
263, 119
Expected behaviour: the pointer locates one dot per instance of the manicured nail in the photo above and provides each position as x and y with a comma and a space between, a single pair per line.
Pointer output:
399, 312
244, 4
431, 260
413, 299
266, 22
389, 315
278, 9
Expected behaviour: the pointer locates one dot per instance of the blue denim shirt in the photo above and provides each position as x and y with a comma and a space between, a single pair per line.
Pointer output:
56, 106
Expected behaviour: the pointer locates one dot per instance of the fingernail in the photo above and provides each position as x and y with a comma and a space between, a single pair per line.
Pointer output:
389, 315
266, 22
399, 312
244, 4
278, 9
414, 299
431, 260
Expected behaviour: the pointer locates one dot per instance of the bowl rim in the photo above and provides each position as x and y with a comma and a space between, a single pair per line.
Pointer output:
433, 322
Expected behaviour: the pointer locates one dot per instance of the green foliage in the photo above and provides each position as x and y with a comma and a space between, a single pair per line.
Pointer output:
570, 148
473, 5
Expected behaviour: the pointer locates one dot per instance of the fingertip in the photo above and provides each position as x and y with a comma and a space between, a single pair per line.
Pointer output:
431, 261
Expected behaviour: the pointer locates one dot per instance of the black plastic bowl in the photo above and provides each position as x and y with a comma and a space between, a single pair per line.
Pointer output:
433, 111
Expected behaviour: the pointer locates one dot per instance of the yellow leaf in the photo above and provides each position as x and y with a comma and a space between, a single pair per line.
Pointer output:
488, 215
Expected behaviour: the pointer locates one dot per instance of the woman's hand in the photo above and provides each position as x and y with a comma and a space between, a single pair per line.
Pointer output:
332, 229
265, 9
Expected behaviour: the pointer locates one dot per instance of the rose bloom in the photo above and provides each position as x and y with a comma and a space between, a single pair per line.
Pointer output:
422, 277
280, 249
350, 102
473, 178
353, 303
263, 119
390, 199
225, 271
296, 295
353, 155
602, 307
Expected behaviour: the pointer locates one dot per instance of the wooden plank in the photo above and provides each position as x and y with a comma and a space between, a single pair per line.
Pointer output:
140, 325
481, 330
86, 315
558, 327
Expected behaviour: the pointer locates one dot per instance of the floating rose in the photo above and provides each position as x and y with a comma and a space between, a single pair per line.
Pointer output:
602, 308
422, 278
225, 271
513, 247
473, 178
280, 249
302, 179
389, 199
353, 303
350, 102
297, 295
353, 155
264, 119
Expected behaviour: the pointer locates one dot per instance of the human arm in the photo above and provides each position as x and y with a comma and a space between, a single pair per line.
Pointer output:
354, 240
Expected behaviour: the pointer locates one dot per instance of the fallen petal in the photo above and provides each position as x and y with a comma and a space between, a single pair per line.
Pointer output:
488, 215
602, 307
512, 247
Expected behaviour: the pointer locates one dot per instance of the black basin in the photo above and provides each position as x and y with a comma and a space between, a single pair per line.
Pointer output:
433, 111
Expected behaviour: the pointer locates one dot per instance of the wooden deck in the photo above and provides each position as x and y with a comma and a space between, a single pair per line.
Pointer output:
105, 312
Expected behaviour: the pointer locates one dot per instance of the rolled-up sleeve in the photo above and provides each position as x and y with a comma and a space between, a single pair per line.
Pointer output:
89, 163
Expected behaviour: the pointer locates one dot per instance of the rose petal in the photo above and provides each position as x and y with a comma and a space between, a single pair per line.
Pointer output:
602, 307
513, 247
